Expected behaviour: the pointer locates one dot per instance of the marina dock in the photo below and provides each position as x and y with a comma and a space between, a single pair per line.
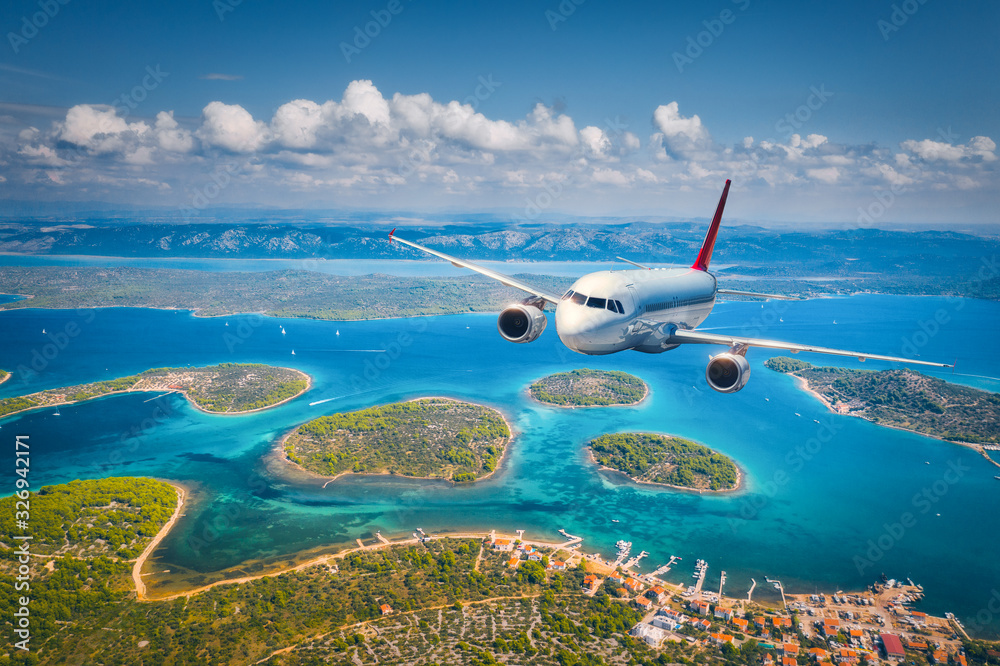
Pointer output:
666, 567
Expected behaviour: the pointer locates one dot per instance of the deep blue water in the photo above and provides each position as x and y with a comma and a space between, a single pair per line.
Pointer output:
815, 493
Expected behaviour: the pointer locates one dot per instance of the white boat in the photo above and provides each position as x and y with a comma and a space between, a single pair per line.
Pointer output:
43, 331
283, 330
293, 352
338, 331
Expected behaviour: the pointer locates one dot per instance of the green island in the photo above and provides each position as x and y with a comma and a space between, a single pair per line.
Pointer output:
902, 399
589, 388
428, 438
4, 376
659, 459
227, 388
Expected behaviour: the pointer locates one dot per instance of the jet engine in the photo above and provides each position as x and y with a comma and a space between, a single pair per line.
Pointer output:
521, 323
728, 372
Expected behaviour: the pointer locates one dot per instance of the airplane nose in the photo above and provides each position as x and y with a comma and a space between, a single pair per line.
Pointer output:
571, 324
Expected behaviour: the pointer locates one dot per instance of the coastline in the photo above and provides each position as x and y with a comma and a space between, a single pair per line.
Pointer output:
737, 487
6, 377
163, 391
278, 453
803, 384
646, 394
140, 587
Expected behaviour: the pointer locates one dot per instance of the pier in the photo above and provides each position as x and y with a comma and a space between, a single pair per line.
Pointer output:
722, 582
635, 560
666, 567
752, 586
571, 540
778, 586
702, 567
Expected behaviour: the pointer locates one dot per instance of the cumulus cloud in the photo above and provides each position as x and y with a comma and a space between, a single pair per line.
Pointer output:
231, 127
98, 128
981, 147
679, 135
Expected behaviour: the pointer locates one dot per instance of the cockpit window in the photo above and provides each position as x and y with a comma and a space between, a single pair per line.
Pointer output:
578, 298
567, 295
611, 306
594, 302
621, 310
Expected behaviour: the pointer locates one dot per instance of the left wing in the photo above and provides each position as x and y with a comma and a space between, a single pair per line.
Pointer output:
500, 277
698, 337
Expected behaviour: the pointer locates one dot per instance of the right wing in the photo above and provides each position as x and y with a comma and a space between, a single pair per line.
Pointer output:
500, 277
698, 337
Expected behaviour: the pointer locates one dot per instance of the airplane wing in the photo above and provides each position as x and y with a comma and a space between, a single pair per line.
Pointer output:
753, 294
500, 277
698, 337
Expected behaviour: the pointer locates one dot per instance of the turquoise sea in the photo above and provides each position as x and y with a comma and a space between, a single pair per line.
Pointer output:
822, 497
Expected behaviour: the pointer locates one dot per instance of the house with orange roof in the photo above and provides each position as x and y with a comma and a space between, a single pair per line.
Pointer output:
916, 645
856, 633
385, 608
656, 593
845, 656
723, 613
939, 657
782, 621
767, 660
961, 660
720, 639
699, 606
831, 622
642, 602
830, 630
789, 661
503, 545
633, 585
740, 623
557, 565
591, 583
616, 577
513, 562
790, 650
819, 654
703, 625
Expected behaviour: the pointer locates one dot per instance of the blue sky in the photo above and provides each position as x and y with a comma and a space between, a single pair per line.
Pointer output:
843, 113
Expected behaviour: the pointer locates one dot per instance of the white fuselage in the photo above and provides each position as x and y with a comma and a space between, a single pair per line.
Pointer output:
586, 323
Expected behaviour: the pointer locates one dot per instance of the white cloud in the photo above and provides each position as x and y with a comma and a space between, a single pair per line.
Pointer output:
680, 135
98, 128
231, 127
170, 136
828, 175
929, 150
595, 141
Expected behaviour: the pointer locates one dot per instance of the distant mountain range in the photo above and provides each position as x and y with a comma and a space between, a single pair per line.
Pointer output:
754, 249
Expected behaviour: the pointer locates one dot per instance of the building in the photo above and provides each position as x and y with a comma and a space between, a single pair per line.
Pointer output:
535, 556
782, 622
699, 606
632, 585
845, 656
939, 657
819, 654
502, 545
720, 639
790, 650
652, 635
704, 625
643, 603
385, 608
656, 593
740, 624
665, 622
513, 562
590, 583
557, 565
789, 661
892, 646
724, 613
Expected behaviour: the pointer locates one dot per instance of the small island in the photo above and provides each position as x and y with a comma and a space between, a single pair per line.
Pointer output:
433, 438
589, 388
902, 399
664, 460
228, 388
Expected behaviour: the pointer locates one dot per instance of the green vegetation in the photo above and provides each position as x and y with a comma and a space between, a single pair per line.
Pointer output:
904, 399
785, 365
671, 460
3, 376
589, 388
224, 388
85, 532
433, 437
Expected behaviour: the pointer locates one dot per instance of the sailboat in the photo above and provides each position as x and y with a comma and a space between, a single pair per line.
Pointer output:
283, 330
338, 331
43, 331
293, 352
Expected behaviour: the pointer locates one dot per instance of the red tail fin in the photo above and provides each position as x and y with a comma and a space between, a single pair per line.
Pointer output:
705, 256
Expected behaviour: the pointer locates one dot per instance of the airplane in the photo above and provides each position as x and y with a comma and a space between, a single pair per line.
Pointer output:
650, 310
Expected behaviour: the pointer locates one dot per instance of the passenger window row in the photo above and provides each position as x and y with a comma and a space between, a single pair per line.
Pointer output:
594, 302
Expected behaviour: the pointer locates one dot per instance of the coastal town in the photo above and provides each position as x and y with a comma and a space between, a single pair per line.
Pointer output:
872, 626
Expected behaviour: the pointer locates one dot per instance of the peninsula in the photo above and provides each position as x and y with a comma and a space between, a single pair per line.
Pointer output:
228, 388
589, 388
902, 399
663, 460
433, 438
